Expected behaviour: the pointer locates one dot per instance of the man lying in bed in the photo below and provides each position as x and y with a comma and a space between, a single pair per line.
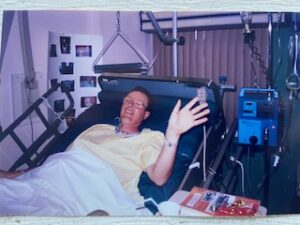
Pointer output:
100, 164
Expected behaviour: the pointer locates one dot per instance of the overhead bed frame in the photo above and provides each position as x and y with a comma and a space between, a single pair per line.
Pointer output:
165, 93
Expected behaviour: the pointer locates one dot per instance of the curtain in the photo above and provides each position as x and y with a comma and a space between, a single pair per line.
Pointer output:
213, 53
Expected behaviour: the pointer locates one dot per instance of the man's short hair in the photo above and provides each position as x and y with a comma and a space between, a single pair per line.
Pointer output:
146, 93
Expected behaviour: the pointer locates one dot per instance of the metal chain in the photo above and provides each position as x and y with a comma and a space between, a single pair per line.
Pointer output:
118, 20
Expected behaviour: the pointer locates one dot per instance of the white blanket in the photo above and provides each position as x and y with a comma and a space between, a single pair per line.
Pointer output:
72, 183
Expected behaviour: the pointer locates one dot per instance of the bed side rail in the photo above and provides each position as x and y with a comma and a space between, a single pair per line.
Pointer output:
50, 131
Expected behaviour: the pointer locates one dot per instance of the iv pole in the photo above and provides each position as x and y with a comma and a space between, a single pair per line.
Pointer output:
174, 46
270, 58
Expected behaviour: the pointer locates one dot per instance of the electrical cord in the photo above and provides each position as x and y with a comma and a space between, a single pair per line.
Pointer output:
249, 182
284, 135
204, 153
249, 38
258, 57
202, 95
279, 61
261, 184
253, 69
27, 95
45, 102
242, 171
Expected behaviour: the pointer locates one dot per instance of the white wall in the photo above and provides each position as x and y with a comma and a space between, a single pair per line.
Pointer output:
76, 22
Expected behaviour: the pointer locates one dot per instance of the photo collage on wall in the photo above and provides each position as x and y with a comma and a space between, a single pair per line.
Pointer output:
70, 62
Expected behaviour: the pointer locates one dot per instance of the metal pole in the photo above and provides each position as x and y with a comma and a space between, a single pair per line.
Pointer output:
174, 44
270, 58
29, 71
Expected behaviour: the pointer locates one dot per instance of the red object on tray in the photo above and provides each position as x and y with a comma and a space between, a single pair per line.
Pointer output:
219, 204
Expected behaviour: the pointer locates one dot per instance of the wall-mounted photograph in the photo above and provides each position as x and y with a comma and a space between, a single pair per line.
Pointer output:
65, 45
59, 105
66, 68
67, 85
87, 81
83, 50
53, 82
88, 101
52, 52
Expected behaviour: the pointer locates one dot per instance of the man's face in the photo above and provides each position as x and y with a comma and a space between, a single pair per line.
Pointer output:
133, 110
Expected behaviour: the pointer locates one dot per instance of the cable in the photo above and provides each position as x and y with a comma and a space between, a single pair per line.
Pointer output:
45, 102
258, 57
242, 171
204, 153
211, 171
260, 185
202, 95
249, 38
249, 183
27, 94
253, 69
290, 112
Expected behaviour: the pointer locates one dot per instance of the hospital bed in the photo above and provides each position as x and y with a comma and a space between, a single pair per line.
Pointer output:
188, 167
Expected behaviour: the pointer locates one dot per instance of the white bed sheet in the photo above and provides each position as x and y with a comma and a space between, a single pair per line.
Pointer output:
72, 183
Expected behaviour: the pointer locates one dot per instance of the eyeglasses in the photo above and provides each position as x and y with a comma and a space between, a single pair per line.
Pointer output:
135, 103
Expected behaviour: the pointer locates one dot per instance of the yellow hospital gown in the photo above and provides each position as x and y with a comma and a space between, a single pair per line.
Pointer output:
128, 156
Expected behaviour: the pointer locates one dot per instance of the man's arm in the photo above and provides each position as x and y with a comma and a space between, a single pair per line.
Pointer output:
181, 120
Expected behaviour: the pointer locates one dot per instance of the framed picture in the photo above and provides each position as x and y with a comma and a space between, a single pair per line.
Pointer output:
53, 82
87, 81
65, 45
67, 85
83, 50
66, 68
59, 105
88, 101
52, 52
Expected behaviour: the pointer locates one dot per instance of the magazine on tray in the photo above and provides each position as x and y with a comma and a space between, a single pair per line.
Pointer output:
219, 204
